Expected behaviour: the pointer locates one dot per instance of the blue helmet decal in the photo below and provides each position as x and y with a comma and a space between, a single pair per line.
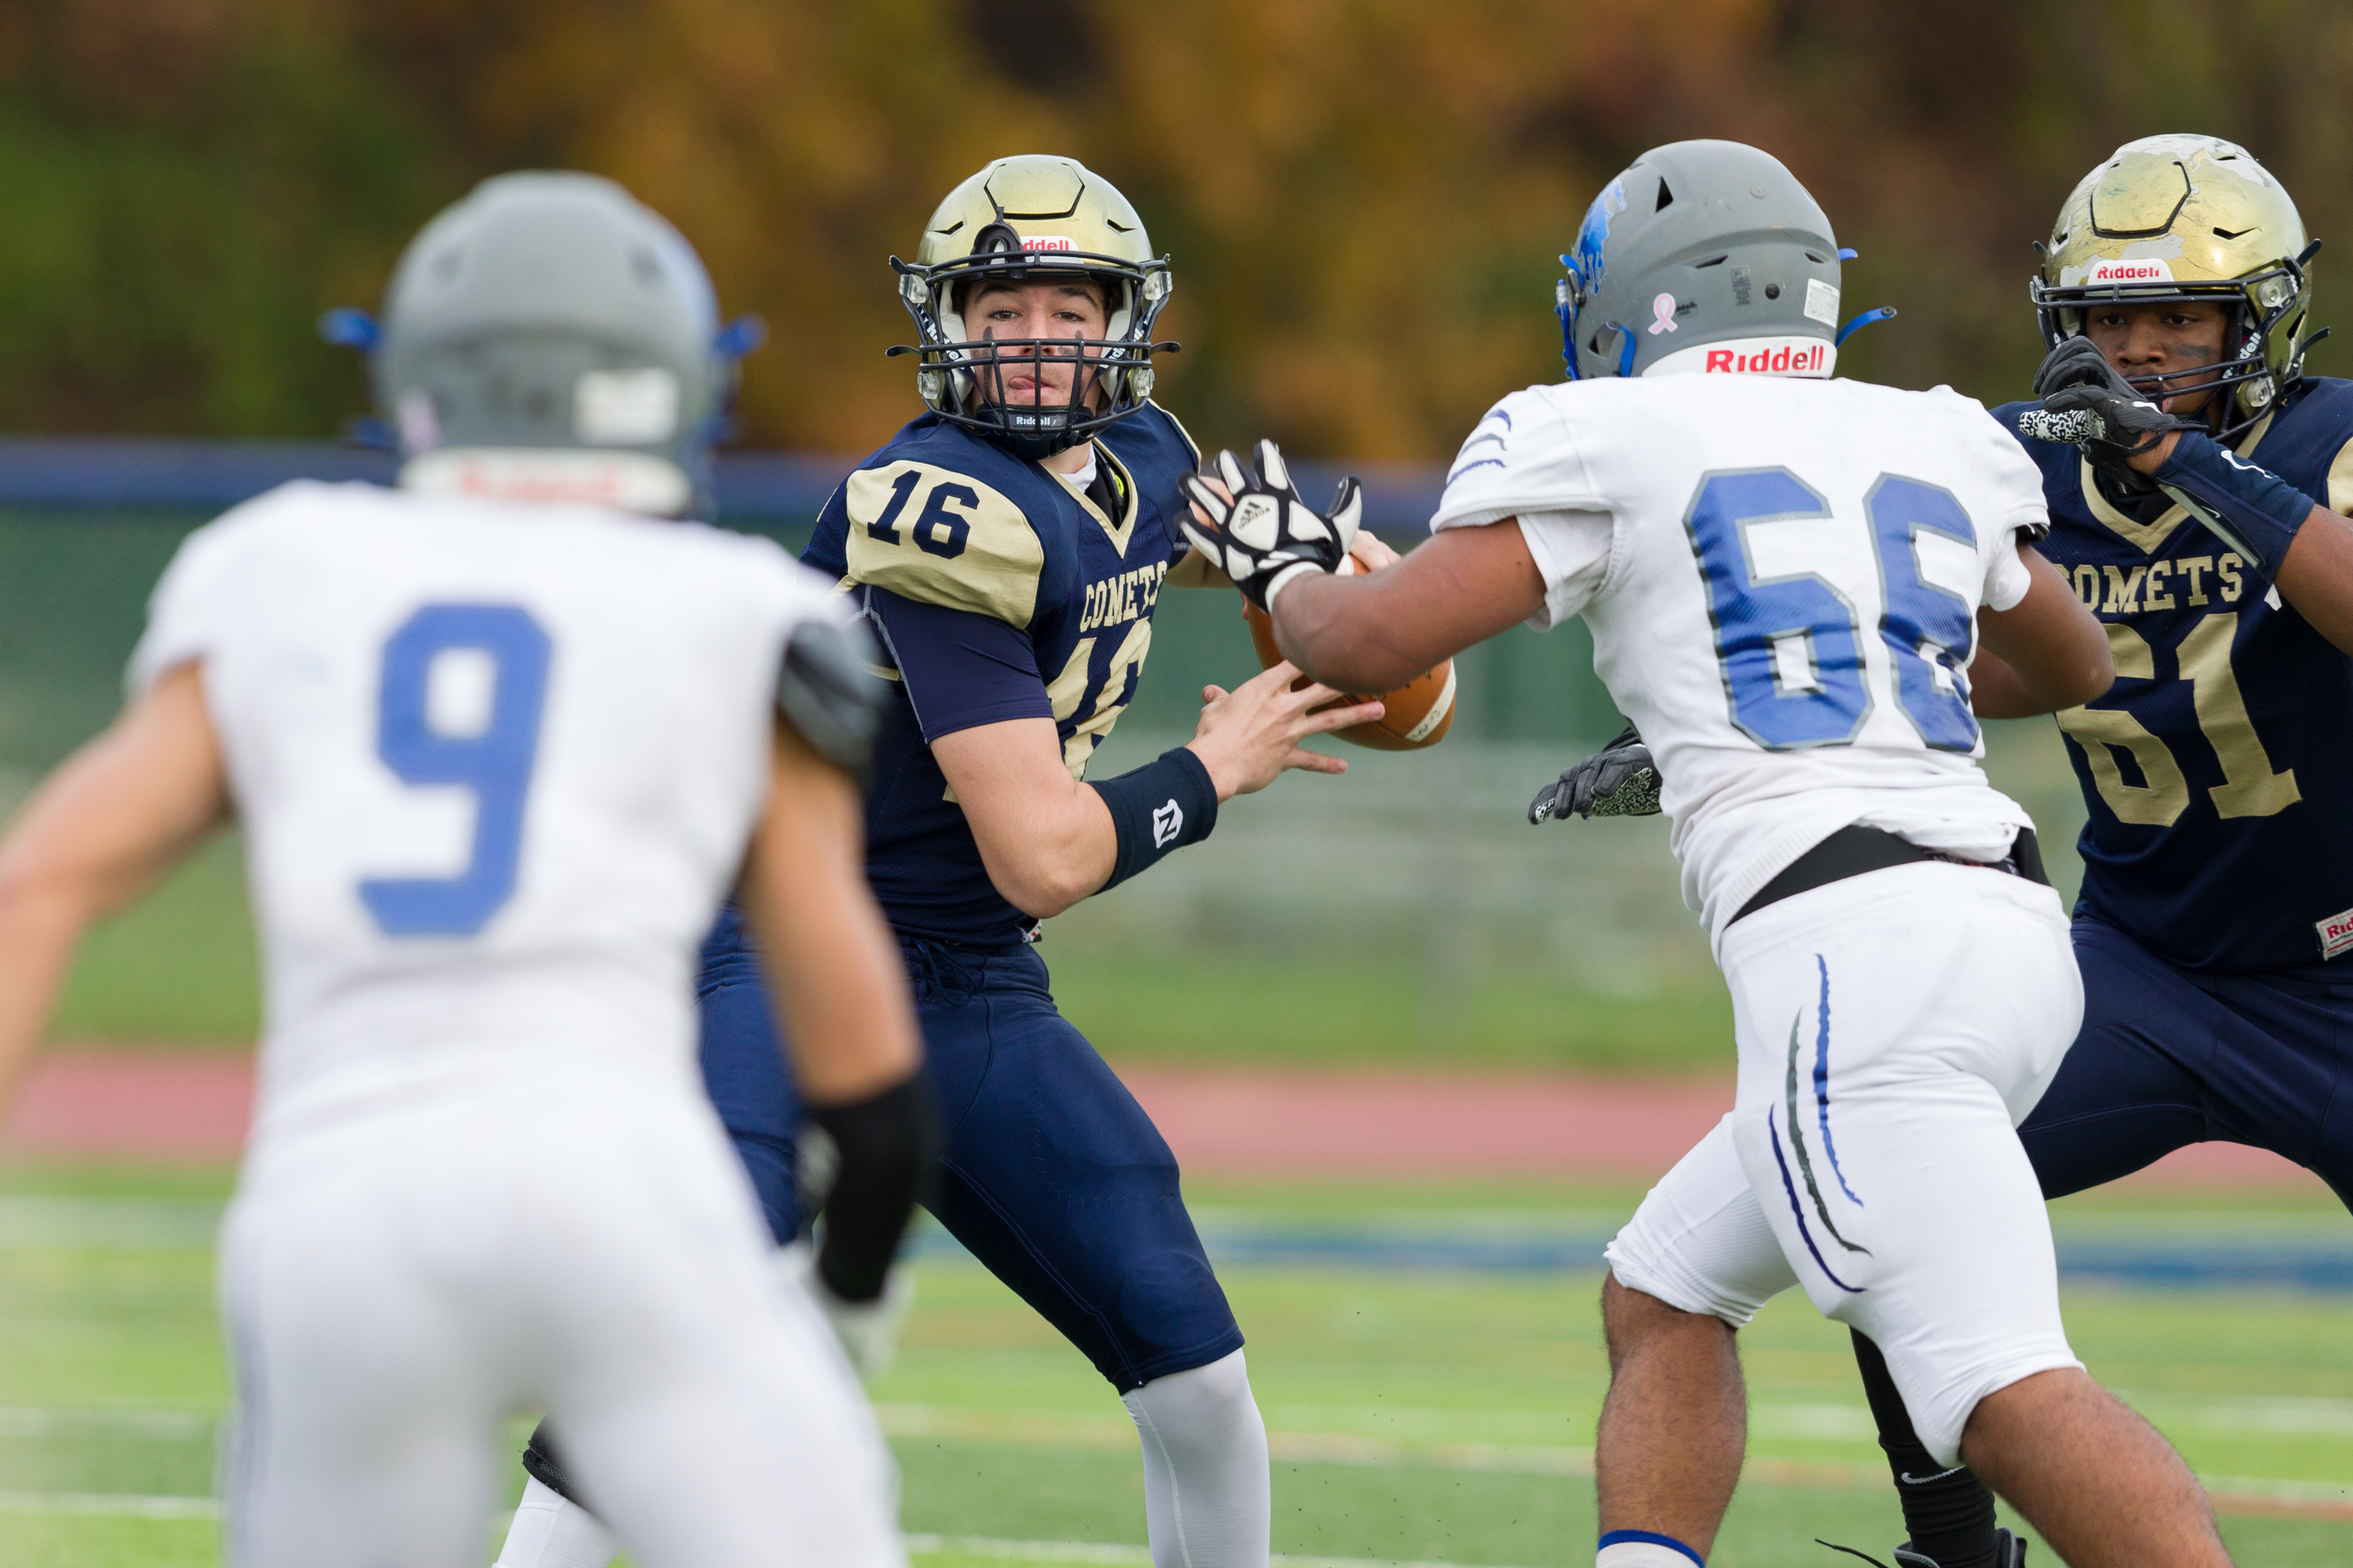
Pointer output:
1586, 265
1586, 259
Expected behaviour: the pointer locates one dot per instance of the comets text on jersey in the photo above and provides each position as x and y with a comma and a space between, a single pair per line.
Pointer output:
1115, 600
2187, 582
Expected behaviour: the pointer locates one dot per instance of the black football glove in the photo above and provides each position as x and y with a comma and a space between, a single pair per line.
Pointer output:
1265, 535
2086, 404
1619, 780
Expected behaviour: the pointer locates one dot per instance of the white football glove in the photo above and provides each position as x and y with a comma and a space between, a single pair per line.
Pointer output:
869, 1331
1264, 535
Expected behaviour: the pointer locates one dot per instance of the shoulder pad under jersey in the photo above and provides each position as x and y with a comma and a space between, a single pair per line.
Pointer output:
944, 537
827, 689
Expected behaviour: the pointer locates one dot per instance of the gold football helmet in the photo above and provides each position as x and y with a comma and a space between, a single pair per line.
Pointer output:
2169, 218
1018, 218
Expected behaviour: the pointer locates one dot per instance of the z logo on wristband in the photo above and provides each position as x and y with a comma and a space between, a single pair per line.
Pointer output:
1168, 822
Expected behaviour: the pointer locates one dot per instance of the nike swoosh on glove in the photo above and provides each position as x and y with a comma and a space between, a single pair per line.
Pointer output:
1262, 534
2086, 404
1619, 780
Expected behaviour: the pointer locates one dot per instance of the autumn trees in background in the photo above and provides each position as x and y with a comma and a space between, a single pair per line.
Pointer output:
1364, 198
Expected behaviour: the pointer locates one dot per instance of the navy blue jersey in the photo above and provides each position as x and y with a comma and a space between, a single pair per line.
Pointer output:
998, 590
2219, 770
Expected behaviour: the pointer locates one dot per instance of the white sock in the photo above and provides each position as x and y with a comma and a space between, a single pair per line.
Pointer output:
552, 1532
1658, 1552
1207, 1500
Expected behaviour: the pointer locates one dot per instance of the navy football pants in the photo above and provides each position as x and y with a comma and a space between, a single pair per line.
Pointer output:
1052, 1175
2167, 1057
744, 1070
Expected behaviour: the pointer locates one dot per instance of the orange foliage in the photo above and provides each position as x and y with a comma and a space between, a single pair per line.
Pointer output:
1364, 198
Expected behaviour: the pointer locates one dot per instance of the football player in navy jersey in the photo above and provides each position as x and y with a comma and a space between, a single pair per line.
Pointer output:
2196, 479
1007, 549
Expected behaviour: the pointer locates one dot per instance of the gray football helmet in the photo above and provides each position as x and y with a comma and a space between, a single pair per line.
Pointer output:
1705, 256
551, 337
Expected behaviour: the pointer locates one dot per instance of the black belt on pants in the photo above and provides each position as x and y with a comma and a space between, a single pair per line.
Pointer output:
1854, 849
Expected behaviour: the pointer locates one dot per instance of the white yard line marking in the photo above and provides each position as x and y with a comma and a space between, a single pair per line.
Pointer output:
170, 1425
109, 1505
1301, 1447
2231, 1494
2253, 1489
1116, 1556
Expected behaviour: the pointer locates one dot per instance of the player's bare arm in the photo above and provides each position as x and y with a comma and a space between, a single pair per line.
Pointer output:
1050, 840
111, 821
2045, 653
2316, 576
850, 1024
1377, 631
1387, 623
839, 979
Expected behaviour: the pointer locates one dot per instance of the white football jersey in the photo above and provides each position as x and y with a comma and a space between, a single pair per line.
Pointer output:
496, 764
1782, 579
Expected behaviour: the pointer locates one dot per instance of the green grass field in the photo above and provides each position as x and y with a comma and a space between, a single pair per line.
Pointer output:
1430, 1417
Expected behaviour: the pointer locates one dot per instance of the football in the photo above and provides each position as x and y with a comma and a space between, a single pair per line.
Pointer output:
1418, 713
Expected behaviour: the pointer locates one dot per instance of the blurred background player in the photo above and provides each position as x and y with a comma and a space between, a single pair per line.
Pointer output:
1785, 577
2218, 774
497, 760
1007, 548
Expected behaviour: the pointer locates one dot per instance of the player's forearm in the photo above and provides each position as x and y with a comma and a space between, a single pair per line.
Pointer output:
836, 971
1336, 631
1050, 855
40, 924
2043, 654
2316, 576
849, 1023
1996, 691
842, 989
1046, 839
98, 833
1376, 633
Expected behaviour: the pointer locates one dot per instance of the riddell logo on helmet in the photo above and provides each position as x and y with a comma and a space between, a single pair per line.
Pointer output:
1790, 359
1776, 353
2335, 934
2134, 269
1048, 242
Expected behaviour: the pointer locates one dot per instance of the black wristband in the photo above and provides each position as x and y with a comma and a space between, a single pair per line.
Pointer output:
885, 1145
542, 1464
2250, 508
1161, 806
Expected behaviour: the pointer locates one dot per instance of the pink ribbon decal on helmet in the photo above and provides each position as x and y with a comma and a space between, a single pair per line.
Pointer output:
1662, 315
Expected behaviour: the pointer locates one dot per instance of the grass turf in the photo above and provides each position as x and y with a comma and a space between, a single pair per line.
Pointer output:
178, 968
1433, 1416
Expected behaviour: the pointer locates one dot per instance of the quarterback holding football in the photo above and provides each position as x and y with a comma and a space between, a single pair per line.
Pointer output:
1007, 548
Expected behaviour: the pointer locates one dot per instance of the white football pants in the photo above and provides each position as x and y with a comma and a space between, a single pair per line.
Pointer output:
396, 1290
1893, 1029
